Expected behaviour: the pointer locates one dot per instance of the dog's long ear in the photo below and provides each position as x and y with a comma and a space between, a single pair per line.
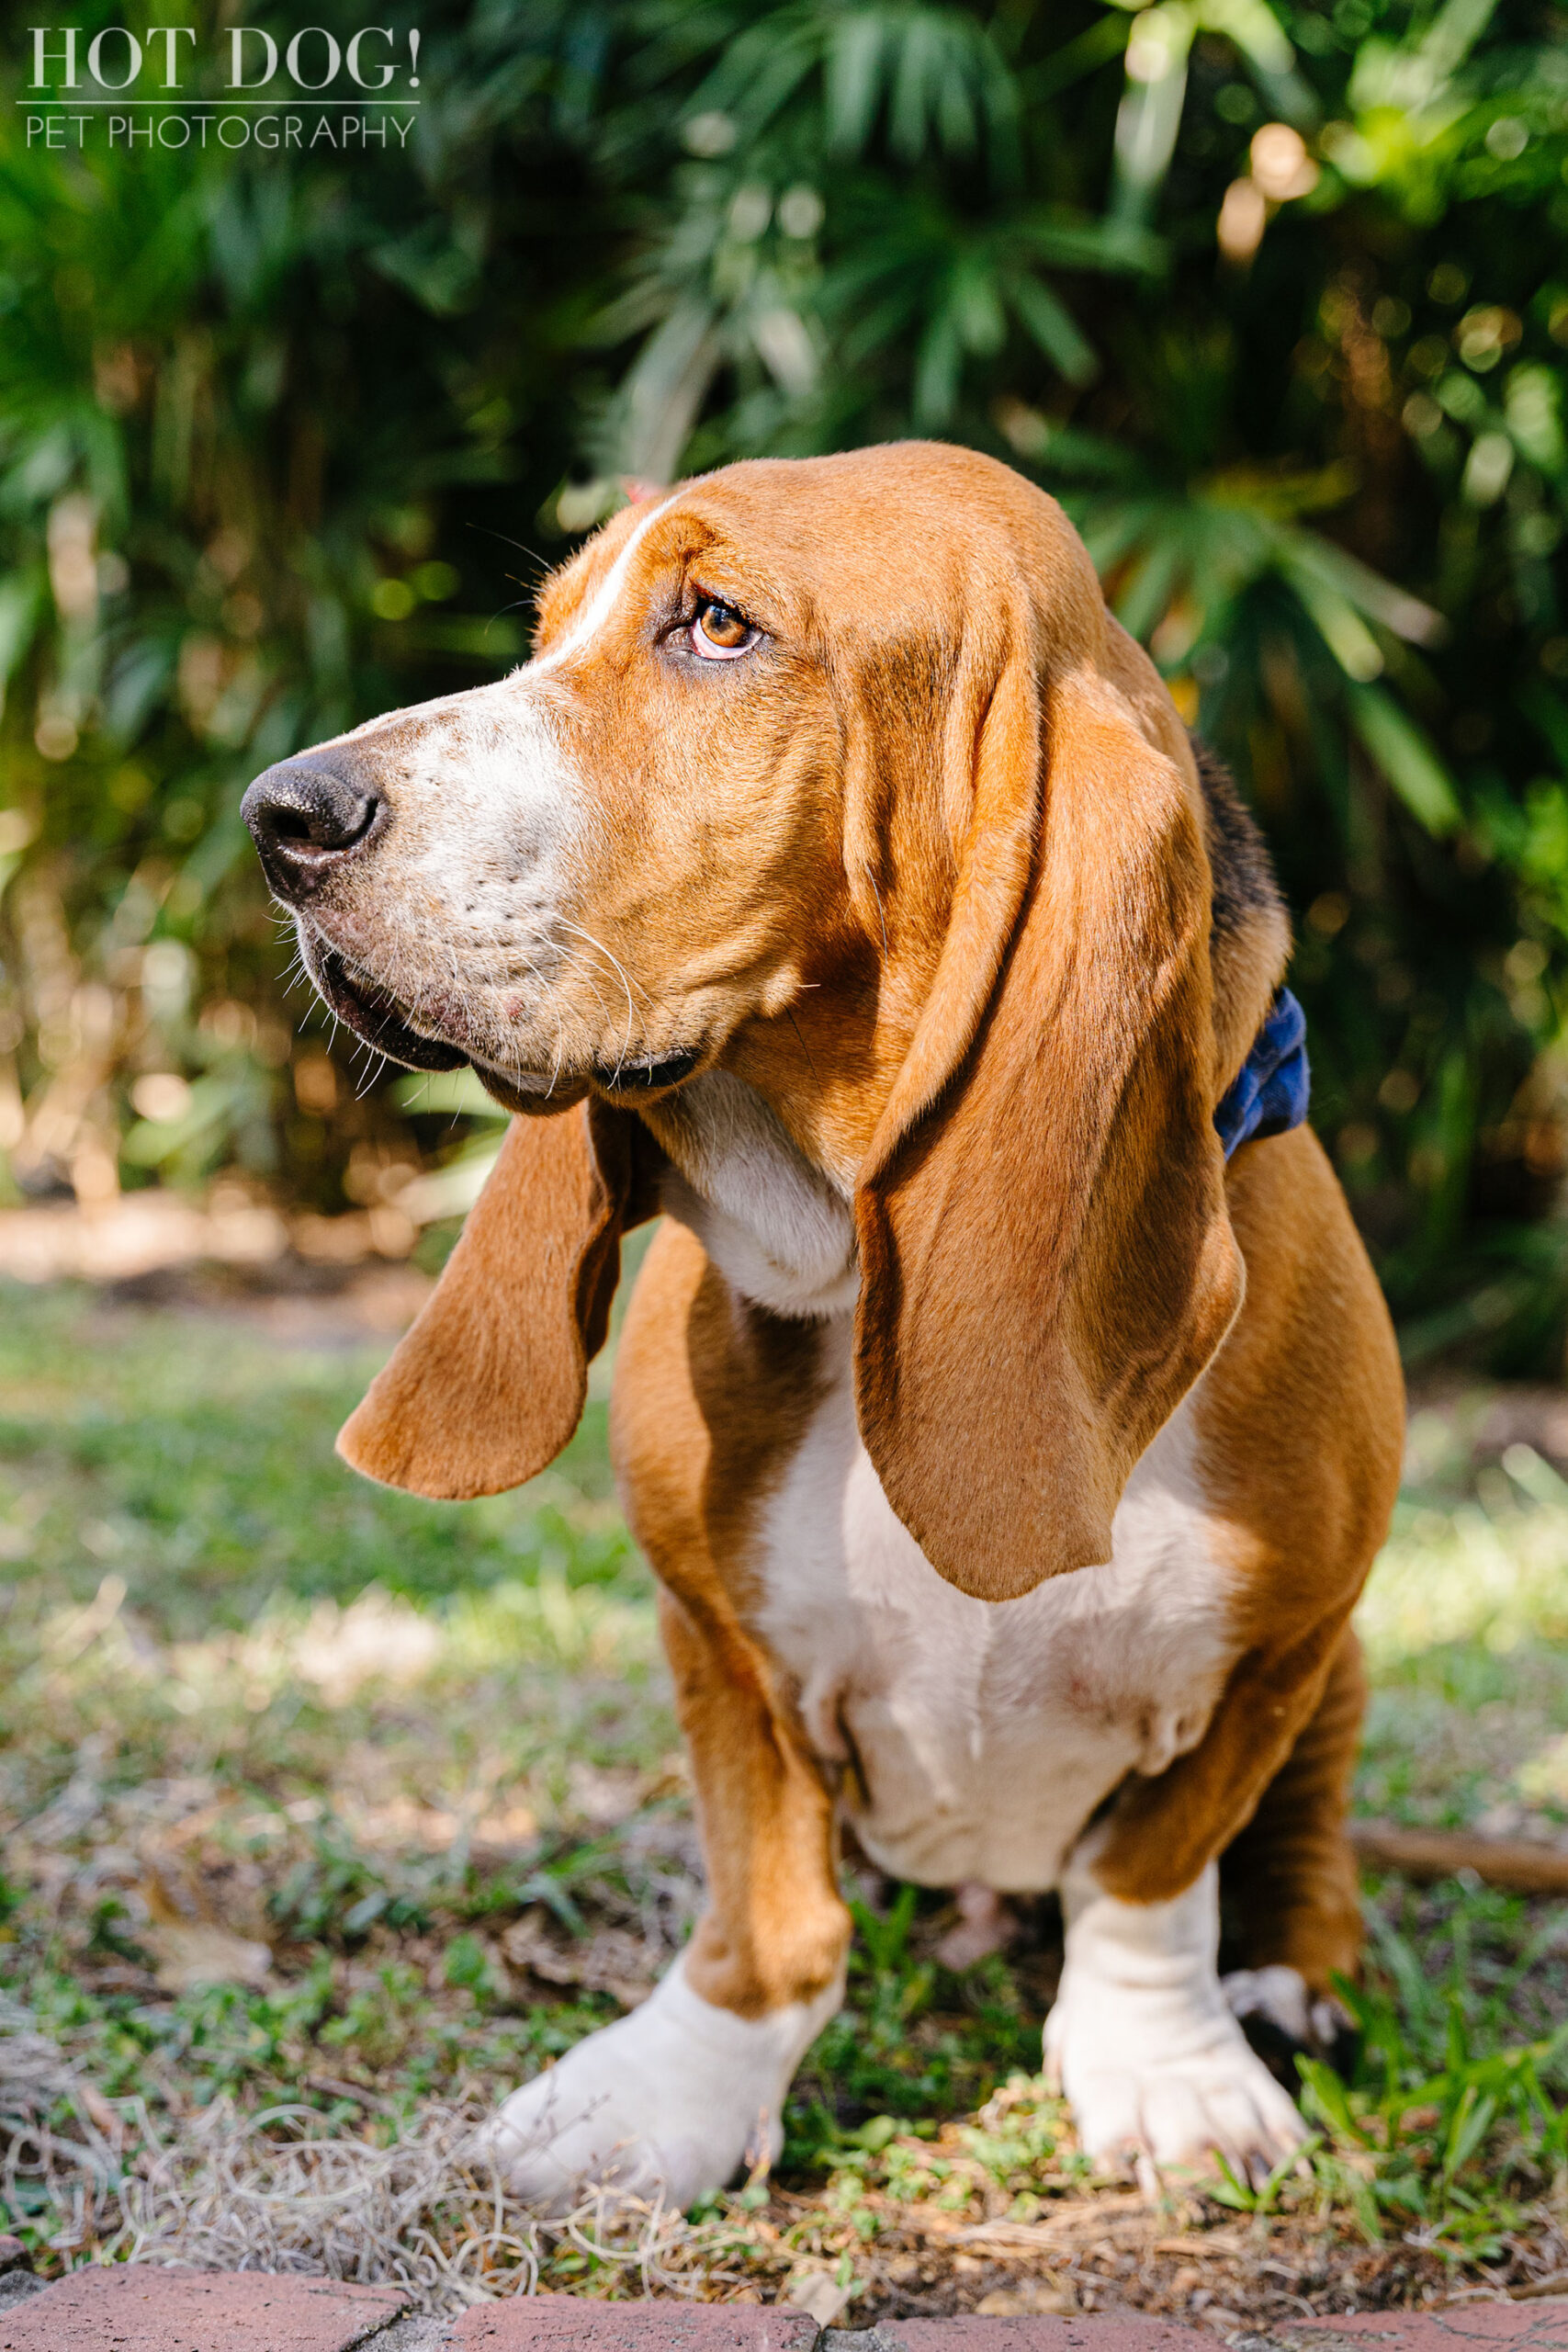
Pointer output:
1046, 1260
489, 1384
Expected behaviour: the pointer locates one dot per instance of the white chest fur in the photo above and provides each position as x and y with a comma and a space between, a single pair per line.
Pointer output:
777, 1227
976, 1738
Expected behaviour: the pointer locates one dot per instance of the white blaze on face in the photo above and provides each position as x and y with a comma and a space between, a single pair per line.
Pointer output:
601, 604
493, 801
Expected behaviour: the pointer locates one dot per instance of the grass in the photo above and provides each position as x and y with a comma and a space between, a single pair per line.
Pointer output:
1464, 1623
330, 1814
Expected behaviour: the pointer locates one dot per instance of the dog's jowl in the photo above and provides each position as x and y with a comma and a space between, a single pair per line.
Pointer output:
1006, 1403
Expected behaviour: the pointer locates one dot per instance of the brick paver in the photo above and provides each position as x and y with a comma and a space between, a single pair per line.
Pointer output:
148, 2310
145, 2309
575, 2323
1107, 2331
1456, 2327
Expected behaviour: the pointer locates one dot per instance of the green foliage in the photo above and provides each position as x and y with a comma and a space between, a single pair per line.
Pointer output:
1435, 2131
268, 424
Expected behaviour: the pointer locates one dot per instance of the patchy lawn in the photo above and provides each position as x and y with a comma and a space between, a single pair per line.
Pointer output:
329, 1815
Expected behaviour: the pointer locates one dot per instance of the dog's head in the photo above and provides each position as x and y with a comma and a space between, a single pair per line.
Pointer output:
835, 774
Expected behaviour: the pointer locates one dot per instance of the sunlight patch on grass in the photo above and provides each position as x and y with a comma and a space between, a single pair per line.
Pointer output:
1463, 1625
1492, 1570
378, 1644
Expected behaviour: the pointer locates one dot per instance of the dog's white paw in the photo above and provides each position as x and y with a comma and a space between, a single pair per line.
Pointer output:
1177, 2100
1144, 2048
669, 2102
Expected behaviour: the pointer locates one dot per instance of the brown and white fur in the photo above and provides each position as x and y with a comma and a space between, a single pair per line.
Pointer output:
1010, 1465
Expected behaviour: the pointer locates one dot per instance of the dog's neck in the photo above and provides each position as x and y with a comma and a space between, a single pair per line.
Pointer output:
777, 1227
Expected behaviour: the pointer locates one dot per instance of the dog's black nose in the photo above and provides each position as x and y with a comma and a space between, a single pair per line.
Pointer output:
305, 818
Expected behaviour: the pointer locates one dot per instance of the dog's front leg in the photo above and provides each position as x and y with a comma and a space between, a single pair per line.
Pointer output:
675, 2099
1143, 2041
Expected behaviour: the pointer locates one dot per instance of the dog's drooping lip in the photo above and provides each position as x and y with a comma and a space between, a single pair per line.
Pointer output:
372, 1012
377, 1016
645, 1074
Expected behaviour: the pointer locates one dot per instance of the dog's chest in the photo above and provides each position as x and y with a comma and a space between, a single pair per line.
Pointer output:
973, 1740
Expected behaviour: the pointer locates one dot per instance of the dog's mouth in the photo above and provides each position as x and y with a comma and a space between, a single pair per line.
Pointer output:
647, 1073
371, 1012
375, 1014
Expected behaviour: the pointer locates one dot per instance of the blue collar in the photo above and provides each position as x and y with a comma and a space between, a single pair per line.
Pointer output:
1269, 1091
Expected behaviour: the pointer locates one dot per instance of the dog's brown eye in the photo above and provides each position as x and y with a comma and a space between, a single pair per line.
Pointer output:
719, 632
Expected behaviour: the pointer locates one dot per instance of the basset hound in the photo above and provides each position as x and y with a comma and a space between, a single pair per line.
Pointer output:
839, 880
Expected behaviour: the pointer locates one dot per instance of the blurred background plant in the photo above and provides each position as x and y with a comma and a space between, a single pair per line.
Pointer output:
1272, 296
